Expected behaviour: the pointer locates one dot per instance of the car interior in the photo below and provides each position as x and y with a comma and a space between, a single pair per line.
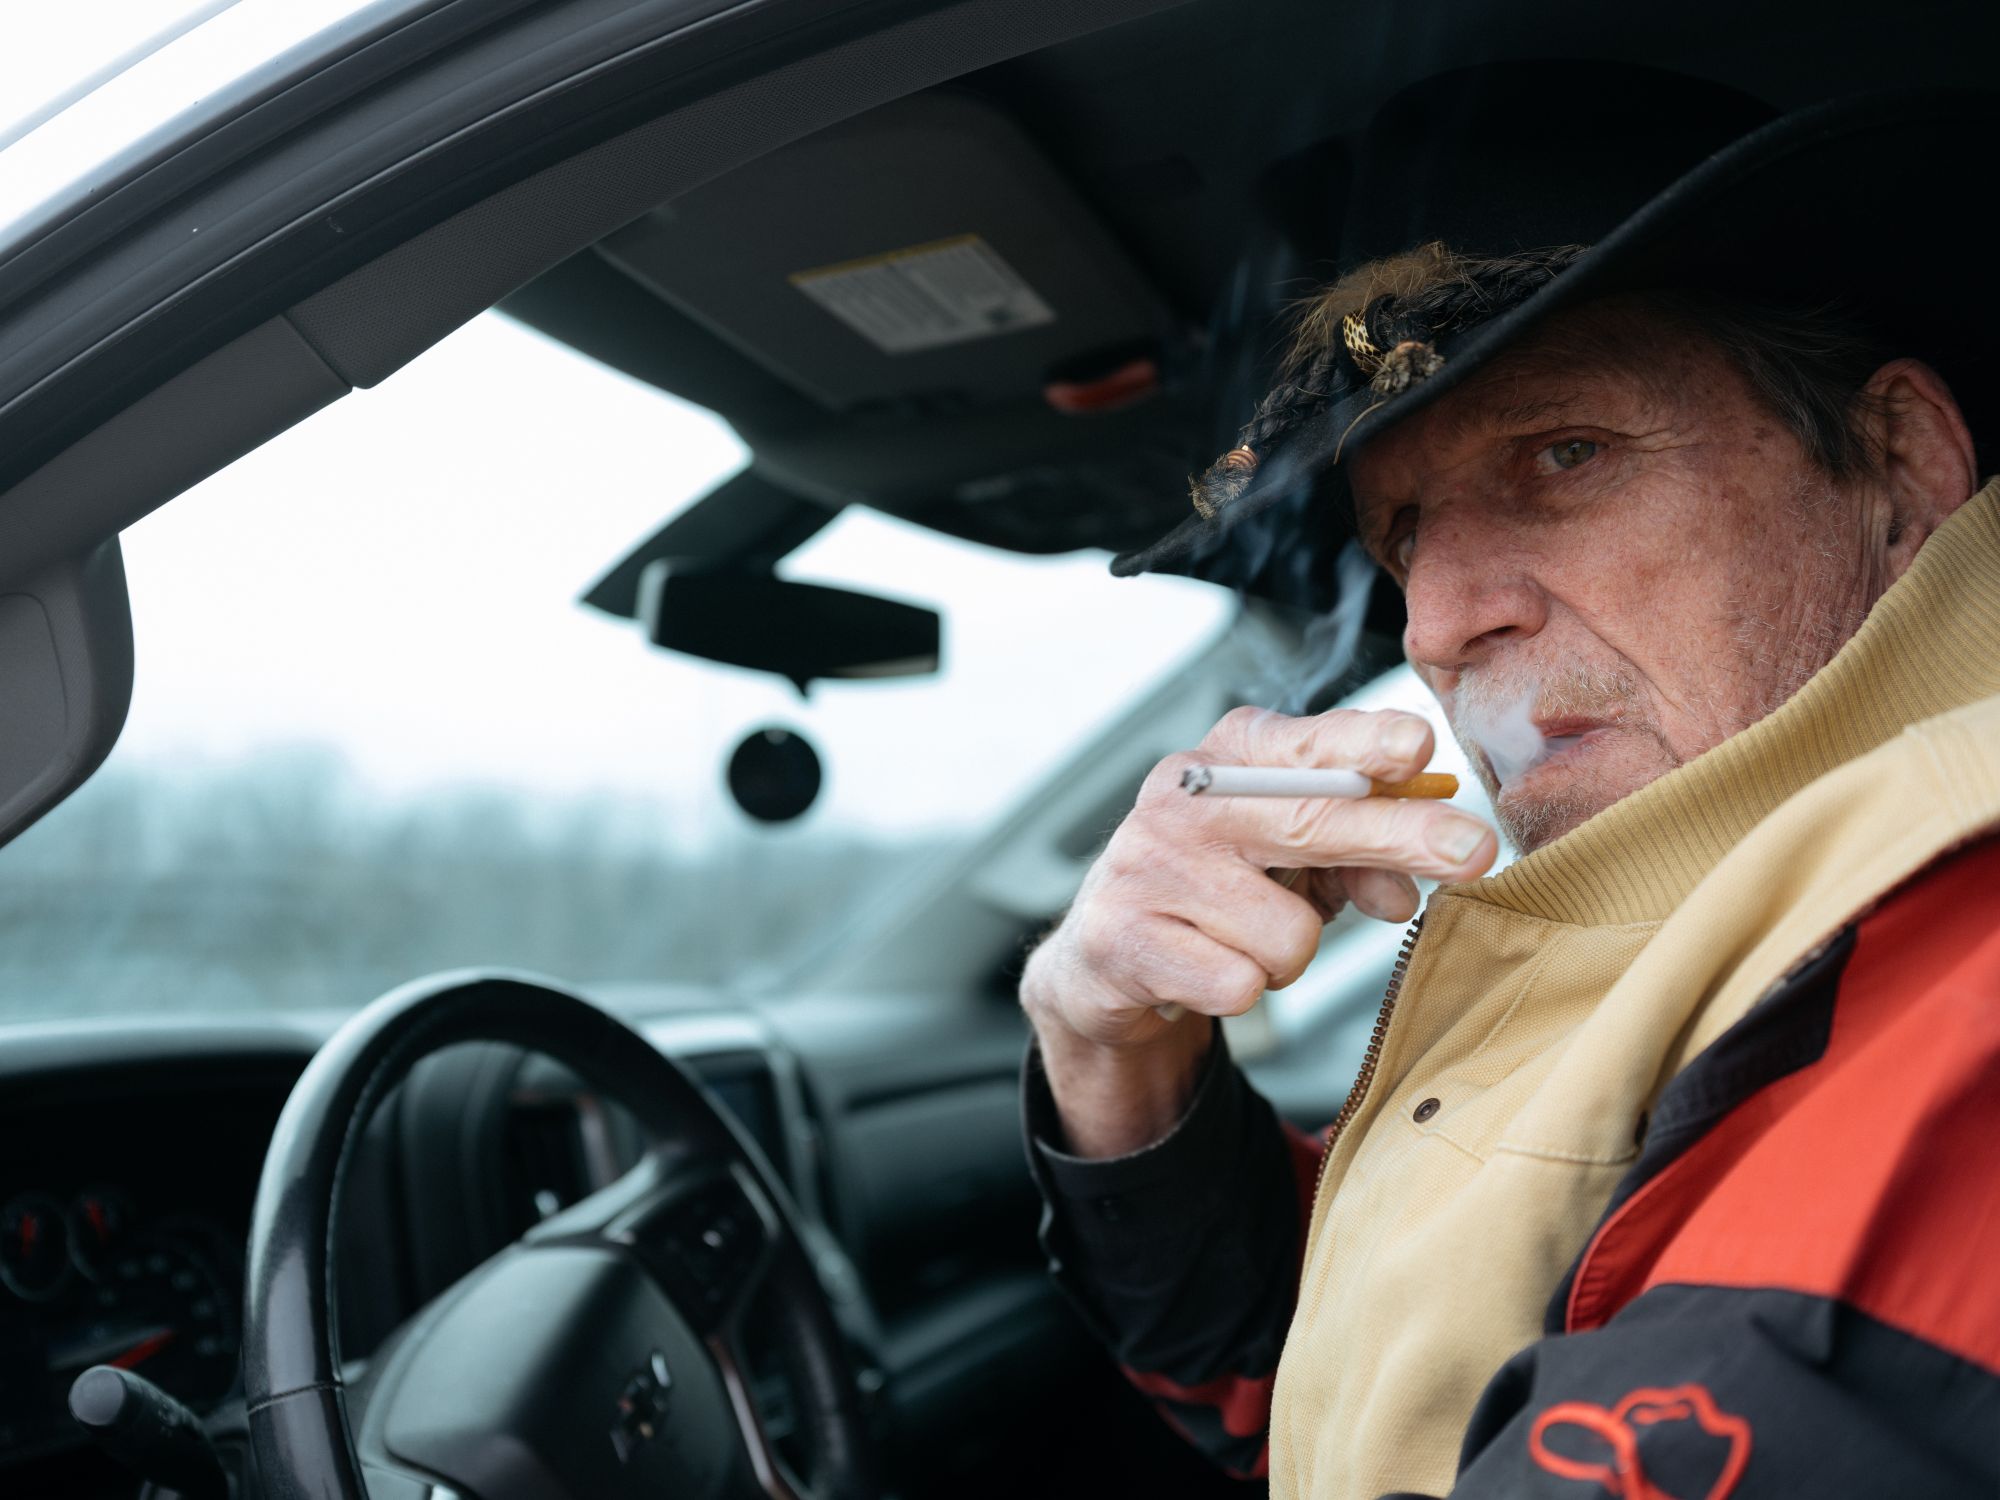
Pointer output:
1004, 271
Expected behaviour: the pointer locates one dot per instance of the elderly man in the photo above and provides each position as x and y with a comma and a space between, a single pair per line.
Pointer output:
1674, 1165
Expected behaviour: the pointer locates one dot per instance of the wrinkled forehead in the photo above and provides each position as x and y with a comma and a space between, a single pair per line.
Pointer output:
1616, 359
1626, 349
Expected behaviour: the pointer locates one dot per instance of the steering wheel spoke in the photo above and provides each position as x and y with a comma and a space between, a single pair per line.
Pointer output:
710, 1236
707, 1232
773, 1474
711, 1244
717, 1247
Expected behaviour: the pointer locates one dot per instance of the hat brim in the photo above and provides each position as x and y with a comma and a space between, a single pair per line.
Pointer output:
1858, 200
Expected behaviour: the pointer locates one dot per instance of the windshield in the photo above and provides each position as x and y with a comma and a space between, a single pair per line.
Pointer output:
375, 735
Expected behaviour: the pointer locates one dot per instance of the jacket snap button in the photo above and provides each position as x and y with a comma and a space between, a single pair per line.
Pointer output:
1425, 1110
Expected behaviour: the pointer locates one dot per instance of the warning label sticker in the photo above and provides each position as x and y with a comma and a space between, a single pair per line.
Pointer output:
927, 296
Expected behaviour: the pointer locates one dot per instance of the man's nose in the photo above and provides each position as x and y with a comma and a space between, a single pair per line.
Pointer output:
1467, 592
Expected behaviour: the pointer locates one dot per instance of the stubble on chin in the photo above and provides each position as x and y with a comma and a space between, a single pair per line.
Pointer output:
1532, 823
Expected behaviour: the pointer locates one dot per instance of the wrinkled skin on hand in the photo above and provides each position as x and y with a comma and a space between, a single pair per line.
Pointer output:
1181, 908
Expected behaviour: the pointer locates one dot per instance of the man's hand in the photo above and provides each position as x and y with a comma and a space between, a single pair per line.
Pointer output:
1181, 909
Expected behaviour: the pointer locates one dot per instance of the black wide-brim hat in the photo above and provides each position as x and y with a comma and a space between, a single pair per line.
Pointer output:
1872, 204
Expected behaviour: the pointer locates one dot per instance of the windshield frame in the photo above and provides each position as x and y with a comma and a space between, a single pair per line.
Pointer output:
314, 165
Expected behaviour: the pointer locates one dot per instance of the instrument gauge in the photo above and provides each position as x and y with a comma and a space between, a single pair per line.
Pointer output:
34, 1247
161, 1310
98, 1224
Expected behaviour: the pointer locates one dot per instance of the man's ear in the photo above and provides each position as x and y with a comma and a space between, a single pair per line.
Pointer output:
1928, 468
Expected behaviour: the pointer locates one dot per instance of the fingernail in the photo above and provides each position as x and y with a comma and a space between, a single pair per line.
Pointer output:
1456, 841
1404, 739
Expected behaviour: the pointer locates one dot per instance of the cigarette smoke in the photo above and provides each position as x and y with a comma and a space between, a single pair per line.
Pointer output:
1505, 732
1493, 715
1327, 648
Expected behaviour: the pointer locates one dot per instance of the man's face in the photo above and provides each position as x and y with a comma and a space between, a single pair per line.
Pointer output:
1613, 558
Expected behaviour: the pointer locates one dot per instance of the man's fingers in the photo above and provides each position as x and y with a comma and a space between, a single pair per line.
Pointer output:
1383, 894
1180, 909
1245, 909
1386, 895
1386, 745
1157, 960
1428, 839
1325, 889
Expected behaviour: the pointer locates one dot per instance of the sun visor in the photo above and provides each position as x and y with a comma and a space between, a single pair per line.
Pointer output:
922, 254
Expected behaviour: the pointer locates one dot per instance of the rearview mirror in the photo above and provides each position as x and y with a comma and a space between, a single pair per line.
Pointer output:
804, 632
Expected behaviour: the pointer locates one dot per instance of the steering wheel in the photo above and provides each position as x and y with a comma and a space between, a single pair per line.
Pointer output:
598, 1357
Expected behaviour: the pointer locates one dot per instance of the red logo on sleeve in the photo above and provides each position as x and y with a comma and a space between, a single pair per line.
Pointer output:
1684, 1432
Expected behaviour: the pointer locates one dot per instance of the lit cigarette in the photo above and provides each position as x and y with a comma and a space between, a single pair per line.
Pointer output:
1302, 781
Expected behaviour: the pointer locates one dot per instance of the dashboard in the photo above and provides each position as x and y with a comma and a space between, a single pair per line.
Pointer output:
125, 1190
130, 1154
100, 1277
129, 1159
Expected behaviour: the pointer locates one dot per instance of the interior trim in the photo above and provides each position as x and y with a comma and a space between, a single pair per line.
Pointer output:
377, 318
374, 320
206, 417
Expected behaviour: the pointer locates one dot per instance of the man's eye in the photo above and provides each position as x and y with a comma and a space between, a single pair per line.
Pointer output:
1569, 454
